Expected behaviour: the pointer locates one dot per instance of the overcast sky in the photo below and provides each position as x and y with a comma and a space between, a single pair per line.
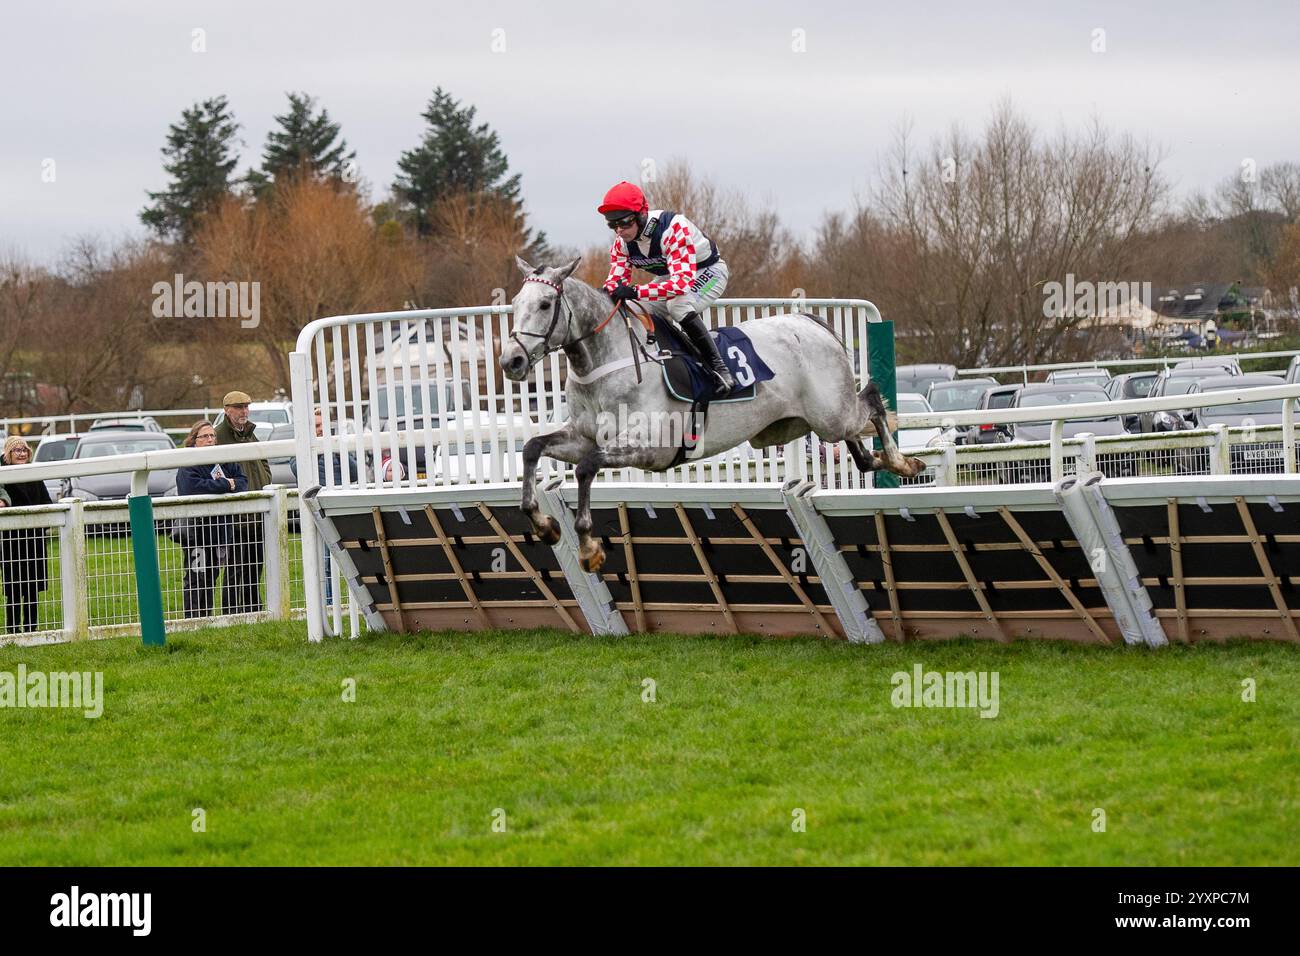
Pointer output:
581, 93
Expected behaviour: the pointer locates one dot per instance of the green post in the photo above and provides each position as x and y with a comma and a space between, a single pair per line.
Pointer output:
148, 581
880, 369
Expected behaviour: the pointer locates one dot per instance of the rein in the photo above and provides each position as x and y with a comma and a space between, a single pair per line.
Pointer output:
634, 308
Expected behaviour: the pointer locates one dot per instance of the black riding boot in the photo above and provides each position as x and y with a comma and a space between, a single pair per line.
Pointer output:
694, 328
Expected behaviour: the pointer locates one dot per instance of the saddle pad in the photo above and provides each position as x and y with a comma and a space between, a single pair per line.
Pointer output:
686, 379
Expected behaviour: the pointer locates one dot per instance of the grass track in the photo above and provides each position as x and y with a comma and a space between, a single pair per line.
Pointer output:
250, 725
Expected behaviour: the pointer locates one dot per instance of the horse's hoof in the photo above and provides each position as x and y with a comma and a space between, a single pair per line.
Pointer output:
550, 533
594, 559
914, 467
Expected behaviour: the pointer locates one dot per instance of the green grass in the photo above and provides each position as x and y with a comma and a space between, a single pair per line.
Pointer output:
249, 724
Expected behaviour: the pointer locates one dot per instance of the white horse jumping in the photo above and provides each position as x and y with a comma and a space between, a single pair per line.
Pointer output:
813, 390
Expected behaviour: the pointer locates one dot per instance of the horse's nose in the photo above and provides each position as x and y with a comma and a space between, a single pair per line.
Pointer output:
514, 365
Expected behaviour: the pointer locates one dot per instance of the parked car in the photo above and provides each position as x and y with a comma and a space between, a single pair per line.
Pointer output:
1254, 457
145, 424
383, 418
1047, 396
918, 378
1078, 376
118, 485
1128, 386
1053, 396
998, 396
910, 403
1174, 381
55, 448
958, 396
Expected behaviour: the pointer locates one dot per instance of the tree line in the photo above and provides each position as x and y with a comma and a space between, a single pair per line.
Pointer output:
954, 241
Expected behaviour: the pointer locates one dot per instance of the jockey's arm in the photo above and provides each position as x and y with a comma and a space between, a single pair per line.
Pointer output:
619, 270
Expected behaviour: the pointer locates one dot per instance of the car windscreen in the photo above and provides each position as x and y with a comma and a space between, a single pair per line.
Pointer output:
272, 416
124, 446
1180, 385
56, 450
920, 384
957, 397
1001, 399
1074, 397
1139, 387
912, 406
1092, 378
1270, 407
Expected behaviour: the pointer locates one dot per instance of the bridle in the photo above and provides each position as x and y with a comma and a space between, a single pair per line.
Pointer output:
547, 347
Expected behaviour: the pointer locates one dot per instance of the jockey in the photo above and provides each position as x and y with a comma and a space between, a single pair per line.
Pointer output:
667, 244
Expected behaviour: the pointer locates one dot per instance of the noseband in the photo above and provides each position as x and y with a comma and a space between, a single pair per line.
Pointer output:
547, 347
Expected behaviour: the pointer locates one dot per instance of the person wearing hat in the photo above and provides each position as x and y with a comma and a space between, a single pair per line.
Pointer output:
667, 244
246, 554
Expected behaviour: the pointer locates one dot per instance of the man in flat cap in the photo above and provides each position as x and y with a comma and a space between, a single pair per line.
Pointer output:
239, 588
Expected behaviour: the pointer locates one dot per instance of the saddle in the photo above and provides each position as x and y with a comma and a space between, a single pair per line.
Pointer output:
688, 381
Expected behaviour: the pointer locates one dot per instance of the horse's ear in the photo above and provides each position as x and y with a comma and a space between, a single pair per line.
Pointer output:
523, 265
566, 271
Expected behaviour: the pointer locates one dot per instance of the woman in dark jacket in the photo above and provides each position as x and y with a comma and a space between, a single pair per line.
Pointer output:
23, 560
206, 540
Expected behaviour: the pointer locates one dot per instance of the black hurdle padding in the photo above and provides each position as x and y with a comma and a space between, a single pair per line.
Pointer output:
771, 523
737, 592
1236, 596
677, 592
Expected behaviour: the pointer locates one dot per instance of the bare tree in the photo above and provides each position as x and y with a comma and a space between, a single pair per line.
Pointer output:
958, 241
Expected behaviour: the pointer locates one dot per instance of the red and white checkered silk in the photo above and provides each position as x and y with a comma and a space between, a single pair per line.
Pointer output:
681, 247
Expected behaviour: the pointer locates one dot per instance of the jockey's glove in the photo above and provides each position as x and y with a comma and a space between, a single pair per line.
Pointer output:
623, 293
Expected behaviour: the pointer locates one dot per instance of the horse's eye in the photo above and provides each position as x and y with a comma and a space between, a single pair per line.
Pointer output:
545, 306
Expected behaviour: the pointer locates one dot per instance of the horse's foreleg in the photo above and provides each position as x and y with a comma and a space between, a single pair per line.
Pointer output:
563, 445
591, 553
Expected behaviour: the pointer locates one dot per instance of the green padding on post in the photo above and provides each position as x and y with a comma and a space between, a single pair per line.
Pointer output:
880, 369
148, 583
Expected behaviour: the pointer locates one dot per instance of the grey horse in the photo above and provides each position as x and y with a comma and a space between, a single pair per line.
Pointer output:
813, 390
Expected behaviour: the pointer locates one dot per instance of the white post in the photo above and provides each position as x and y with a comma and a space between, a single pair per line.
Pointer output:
945, 472
1057, 451
275, 532
304, 429
1220, 459
75, 583
1288, 436
1087, 460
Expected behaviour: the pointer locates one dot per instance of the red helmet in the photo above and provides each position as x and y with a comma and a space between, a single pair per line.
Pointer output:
623, 197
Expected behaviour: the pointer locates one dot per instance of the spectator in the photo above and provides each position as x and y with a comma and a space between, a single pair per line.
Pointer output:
23, 560
206, 541
339, 477
239, 588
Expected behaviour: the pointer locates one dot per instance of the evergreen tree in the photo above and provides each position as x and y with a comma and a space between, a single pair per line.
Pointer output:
200, 156
455, 157
305, 140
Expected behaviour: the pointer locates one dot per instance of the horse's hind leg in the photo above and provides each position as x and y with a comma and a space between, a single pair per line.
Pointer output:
889, 456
